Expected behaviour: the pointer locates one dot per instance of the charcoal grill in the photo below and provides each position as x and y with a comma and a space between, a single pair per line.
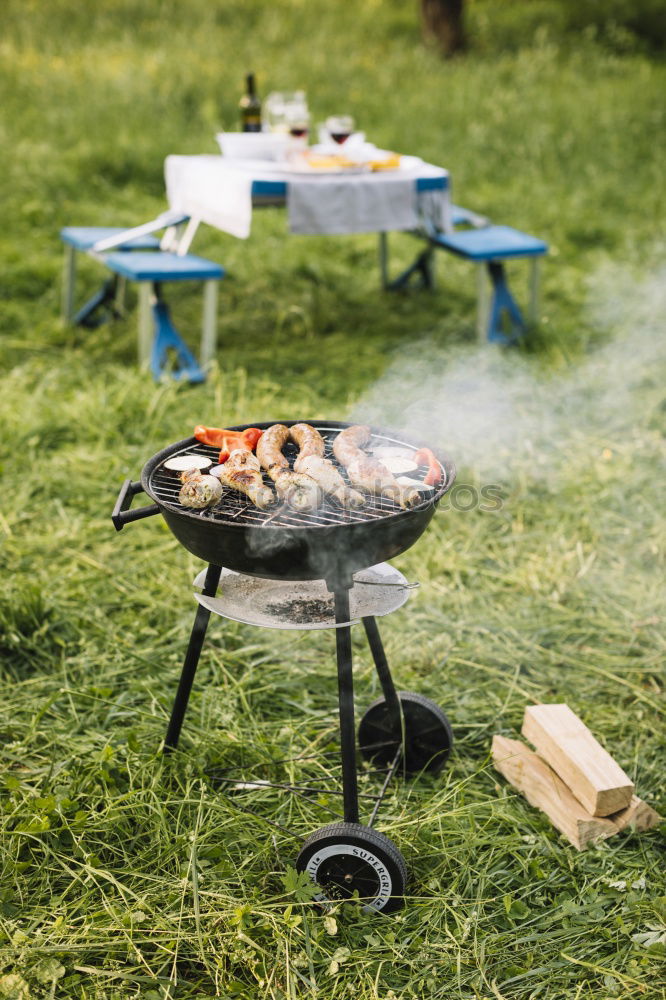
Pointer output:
338, 551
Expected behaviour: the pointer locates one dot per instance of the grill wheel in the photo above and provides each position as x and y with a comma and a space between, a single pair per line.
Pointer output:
428, 737
348, 858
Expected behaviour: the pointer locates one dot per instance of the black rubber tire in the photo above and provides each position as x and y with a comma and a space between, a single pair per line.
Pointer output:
428, 737
347, 857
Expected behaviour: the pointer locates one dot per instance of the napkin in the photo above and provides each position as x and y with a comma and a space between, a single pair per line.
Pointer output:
352, 203
196, 187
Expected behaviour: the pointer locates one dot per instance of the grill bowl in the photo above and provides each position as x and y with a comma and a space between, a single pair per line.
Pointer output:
330, 544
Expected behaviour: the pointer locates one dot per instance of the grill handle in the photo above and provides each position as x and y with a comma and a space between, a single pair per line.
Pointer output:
122, 514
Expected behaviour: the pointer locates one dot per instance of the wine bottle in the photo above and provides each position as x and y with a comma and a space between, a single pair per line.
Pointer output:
250, 107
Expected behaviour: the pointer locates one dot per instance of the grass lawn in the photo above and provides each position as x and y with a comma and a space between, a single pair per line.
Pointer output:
123, 874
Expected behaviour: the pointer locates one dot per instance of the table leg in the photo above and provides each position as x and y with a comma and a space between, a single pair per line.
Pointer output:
68, 281
383, 259
209, 329
119, 301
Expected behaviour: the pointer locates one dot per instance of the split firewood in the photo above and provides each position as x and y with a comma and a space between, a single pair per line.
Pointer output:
638, 815
542, 788
569, 748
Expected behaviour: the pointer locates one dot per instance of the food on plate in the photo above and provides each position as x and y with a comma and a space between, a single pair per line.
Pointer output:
311, 461
199, 491
389, 162
328, 161
424, 456
228, 441
367, 473
181, 463
242, 472
297, 489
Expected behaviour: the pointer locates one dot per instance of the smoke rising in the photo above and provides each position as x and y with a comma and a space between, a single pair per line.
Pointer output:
496, 413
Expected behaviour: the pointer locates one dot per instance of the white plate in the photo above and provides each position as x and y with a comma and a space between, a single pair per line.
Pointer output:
299, 168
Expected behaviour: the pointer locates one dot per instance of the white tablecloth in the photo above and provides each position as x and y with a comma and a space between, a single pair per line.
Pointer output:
218, 191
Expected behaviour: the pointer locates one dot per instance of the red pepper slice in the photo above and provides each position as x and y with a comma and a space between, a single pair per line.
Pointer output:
228, 441
424, 456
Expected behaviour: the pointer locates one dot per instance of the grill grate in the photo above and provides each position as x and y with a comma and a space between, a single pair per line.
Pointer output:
236, 508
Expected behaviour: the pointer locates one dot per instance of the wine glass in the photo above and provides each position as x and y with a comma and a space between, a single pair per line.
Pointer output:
274, 112
281, 108
297, 120
340, 127
298, 123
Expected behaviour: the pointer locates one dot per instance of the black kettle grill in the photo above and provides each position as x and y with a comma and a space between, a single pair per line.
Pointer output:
401, 730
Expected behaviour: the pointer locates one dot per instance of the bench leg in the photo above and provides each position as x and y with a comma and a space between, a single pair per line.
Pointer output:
533, 308
68, 282
482, 302
503, 304
209, 328
146, 296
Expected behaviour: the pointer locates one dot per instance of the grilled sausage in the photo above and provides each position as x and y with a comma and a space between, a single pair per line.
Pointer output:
269, 448
311, 461
308, 439
298, 490
368, 473
329, 479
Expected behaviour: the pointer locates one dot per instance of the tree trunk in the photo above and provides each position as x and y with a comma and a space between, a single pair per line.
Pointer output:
443, 23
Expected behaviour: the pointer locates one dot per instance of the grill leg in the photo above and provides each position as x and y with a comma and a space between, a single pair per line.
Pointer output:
191, 661
383, 672
346, 699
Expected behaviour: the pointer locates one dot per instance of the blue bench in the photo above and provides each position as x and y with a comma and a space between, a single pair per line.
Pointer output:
137, 255
489, 247
80, 239
157, 335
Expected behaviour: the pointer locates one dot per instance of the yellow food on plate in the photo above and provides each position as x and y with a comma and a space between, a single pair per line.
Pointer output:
328, 161
391, 162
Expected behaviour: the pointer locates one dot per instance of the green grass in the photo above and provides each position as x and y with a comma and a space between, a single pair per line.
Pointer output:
126, 875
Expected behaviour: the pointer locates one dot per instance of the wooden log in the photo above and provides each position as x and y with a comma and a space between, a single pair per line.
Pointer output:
542, 788
567, 745
638, 815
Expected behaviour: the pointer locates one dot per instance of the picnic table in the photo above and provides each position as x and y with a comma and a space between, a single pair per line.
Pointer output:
223, 192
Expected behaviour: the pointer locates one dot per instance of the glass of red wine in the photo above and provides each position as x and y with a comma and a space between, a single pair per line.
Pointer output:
298, 126
299, 130
340, 127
